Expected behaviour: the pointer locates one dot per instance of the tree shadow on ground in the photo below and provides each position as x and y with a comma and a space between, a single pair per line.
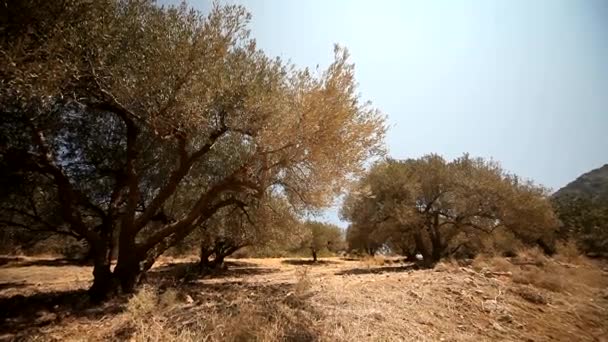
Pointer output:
308, 262
387, 261
22, 316
184, 272
378, 270
351, 258
12, 285
8, 259
22, 262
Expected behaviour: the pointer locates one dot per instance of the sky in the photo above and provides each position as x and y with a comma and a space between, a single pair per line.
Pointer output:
522, 82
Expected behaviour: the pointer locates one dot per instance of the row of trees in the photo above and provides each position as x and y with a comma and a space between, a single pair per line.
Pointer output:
131, 126
439, 208
270, 230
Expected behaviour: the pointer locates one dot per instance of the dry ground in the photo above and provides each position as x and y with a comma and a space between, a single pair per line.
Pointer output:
525, 299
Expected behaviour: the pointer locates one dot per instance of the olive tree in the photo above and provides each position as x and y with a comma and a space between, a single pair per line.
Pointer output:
434, 206
319, 236
584, 220
111, 109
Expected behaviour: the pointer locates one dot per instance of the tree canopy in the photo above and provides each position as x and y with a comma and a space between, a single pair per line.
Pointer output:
316, 237
114, 110
585, 221
434, 207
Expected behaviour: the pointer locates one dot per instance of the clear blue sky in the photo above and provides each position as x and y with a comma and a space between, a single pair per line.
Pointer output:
524, 82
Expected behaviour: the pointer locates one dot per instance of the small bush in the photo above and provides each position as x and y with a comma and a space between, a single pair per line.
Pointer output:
303, 282
376, 260
243, 253
540, 278
143, 303
532, 256
569, 252
492, 263
168, 299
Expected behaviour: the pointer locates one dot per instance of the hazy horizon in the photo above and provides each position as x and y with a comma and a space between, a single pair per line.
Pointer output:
521, 82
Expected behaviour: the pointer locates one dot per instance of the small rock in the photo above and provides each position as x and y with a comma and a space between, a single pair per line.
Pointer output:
498, 327
505, 318
533, 297
377, 316
189, 299
489, 305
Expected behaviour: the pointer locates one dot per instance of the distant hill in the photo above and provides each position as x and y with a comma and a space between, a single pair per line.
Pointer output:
592, 185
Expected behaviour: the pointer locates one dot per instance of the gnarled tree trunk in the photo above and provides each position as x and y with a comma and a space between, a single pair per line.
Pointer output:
103, 279
205, 255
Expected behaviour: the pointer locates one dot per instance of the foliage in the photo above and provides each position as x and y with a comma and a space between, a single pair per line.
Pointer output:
361, 239
318, 237
129, 122
585, 220
434, 207
268, 224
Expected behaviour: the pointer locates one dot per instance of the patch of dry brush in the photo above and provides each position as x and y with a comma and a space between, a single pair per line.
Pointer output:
517, 299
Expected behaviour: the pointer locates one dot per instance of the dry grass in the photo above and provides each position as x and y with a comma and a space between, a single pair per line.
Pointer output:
541, 278
365, 300
568, 252
484, 263
376, 260
532, 256
231, 314
568, 271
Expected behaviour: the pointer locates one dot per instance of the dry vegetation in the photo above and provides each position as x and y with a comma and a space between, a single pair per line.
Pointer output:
529, 297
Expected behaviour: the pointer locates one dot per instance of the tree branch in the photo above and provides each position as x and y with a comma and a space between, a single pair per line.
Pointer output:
185, 162
67, 194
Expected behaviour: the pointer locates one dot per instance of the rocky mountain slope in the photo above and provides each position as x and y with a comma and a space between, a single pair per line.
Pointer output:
592, 185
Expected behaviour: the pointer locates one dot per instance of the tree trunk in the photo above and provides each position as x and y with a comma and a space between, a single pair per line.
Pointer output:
427, 257
103, 279
89, 257
206, 253
436, 245
314, 255
437, 250
218, 262
128, 272
408, 256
